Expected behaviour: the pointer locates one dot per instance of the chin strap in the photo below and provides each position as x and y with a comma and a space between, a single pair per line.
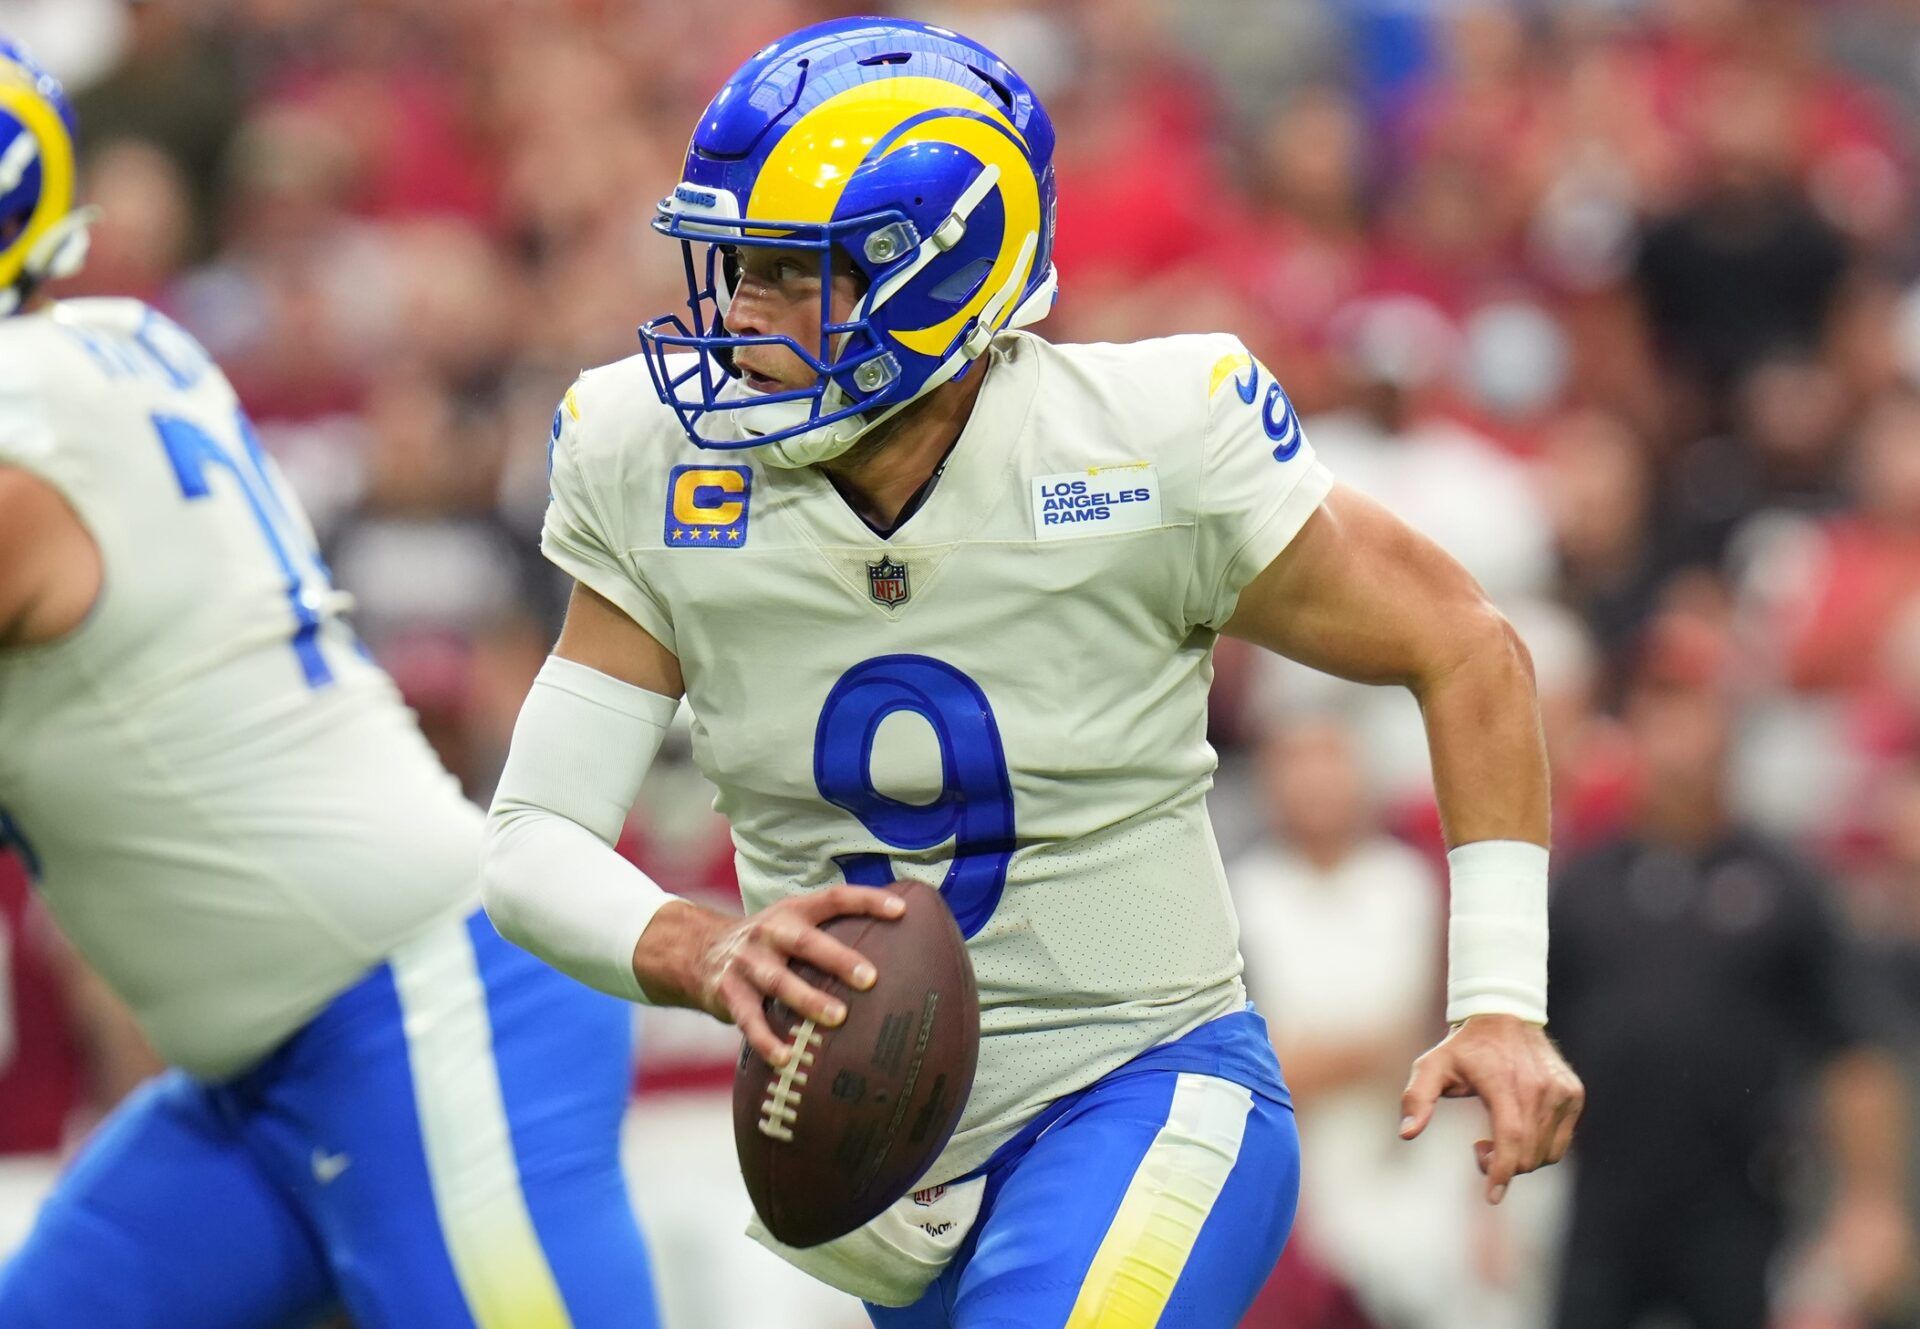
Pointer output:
55, 256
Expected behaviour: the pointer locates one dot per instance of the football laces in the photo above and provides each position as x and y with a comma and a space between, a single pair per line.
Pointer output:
781, 1107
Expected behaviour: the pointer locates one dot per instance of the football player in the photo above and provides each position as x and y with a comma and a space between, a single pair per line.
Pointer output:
378, 1103
943, 598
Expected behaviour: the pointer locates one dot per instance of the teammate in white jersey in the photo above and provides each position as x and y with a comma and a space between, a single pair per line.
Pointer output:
379, 1104
943, 597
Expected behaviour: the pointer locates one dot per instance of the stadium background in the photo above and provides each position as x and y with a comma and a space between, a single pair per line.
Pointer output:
1617, 300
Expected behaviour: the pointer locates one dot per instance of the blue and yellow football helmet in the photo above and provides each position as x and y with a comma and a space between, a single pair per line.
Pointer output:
41, 235
915, 152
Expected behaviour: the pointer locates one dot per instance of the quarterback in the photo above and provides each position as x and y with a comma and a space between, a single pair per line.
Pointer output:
942, 598
378, 1104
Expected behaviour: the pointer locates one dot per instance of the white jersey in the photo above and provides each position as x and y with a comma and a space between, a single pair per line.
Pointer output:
1007, 698
231, 813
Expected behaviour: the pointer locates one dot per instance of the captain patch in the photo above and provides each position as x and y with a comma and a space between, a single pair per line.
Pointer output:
707, 506
1103, 501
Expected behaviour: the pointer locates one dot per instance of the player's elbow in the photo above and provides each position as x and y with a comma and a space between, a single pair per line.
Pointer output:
505, 882
1502, 645
1478, 644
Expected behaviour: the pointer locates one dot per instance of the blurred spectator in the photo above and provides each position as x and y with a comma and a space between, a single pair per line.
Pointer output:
439, 579
1135, 159
1303, 1295
1599, 489
1398, 445
1305, 245
176, 91
1747, 269
1787, 418
423, 549
81, 38
1863, 567
1887, 909
1587, 754
145, 229
42, 1068
1701, 987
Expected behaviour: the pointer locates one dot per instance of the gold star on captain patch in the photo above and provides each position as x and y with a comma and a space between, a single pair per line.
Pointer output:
733, 535
679, 534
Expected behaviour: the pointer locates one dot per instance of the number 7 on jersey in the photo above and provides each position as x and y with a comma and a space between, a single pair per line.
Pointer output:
194, 453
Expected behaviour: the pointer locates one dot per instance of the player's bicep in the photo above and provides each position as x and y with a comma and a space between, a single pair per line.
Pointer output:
1360, 594
601, 635
20, 572
49, 565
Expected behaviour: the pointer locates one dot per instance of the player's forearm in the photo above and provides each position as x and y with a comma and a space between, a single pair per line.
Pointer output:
1490, 776
667, 957
553, 888
1483, 733
551, 879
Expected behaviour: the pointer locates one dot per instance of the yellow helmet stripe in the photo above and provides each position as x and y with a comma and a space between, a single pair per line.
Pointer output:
1019, 201
807, 171
56, 170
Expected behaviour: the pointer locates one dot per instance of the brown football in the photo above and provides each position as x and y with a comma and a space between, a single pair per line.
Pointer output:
863, 1111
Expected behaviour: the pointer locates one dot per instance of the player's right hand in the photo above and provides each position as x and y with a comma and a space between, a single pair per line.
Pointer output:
728, 966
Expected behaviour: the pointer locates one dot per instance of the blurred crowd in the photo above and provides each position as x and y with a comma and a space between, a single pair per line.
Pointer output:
1618, 301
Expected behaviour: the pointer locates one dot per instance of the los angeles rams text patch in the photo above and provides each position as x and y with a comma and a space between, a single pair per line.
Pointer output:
1103, 501
707, 506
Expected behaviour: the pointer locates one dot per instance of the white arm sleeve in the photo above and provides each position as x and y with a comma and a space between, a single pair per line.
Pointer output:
551, 879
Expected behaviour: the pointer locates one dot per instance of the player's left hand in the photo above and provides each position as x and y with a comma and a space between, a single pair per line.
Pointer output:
1532, 1096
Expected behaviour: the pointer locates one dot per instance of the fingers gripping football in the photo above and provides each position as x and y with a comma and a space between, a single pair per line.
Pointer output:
746, 963
1533, 1099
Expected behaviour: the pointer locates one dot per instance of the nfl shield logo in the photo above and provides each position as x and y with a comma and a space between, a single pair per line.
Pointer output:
887, 582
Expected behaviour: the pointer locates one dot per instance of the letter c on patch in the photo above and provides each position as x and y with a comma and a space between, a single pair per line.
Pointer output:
706, 498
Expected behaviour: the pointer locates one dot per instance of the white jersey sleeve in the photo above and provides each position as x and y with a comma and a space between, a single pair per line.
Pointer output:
1258, 483
24, 429
584, 533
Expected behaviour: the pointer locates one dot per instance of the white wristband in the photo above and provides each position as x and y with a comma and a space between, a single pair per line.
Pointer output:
1497, 931
551, 879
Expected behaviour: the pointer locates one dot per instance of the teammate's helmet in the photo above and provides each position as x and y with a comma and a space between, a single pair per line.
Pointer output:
915, 152
41, 235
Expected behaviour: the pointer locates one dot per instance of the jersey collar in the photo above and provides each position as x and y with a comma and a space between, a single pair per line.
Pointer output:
955, 502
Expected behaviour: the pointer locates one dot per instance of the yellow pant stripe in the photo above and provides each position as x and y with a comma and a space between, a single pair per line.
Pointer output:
1159, 1220
497, 1257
